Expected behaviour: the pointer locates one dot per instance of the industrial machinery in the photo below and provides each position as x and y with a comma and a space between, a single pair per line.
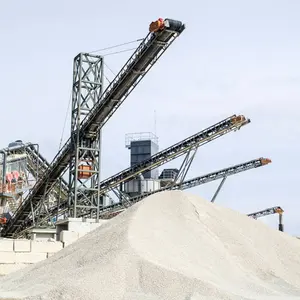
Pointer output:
269, 211
37, 165
26, 159
92, 107
14, 182
111, 210
82, 147
213, 132
203, 137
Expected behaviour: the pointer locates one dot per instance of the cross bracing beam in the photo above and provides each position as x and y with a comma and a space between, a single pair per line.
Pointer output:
184, 168
218, 190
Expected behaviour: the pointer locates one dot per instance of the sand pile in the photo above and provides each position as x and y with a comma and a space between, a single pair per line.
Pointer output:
171, 246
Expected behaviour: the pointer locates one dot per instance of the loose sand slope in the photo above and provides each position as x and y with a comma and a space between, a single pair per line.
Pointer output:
171, 246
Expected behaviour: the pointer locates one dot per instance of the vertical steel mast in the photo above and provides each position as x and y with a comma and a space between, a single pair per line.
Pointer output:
84, 167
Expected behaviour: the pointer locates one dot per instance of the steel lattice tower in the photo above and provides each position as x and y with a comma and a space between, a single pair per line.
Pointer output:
84, 168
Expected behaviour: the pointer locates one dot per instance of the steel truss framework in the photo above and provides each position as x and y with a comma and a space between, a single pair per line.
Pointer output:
220, 174
186, 146
32, 165
266, 212
201, 138
37, 165
12, 193
270, 211
184, 168
86, 149
114, 209
232, 123
142, 60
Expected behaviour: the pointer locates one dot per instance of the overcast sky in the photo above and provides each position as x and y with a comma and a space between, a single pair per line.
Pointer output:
235, 57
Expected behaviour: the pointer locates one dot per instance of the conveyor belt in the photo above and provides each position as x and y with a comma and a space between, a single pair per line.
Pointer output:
35, 158
266, 212
215, 131
203, 137
141, 61
255, 163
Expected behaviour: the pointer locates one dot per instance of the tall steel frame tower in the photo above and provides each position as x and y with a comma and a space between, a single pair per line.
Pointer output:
84, 167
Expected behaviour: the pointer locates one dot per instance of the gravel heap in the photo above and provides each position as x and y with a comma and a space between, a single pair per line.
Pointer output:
172, 245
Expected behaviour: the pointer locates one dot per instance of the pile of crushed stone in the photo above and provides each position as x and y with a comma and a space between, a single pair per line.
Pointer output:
172, 245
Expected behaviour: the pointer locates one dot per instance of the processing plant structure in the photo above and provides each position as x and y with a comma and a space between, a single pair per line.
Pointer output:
36, 193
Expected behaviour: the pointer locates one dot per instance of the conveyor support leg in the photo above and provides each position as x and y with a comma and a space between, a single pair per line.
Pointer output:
218, 190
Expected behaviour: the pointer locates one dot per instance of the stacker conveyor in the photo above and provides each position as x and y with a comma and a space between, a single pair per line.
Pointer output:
255, 163
266, 212
138, 65
203, 137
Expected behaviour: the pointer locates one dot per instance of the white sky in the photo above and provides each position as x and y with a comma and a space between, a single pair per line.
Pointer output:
234, 57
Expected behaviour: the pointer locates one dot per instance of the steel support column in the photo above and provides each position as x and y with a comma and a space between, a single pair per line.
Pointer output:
218, 190
84, 167
280, 225
184, 168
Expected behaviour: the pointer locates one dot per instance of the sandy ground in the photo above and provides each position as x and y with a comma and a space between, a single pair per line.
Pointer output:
172, 245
